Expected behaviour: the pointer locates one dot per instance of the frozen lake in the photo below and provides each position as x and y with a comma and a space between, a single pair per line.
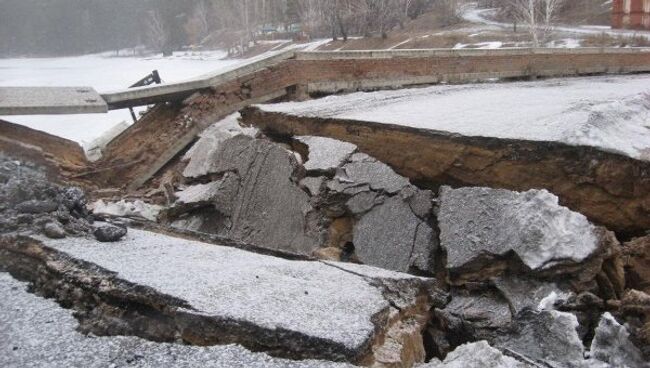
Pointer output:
103, 72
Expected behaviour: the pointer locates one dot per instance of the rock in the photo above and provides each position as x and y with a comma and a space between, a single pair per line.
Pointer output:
548, 336
74, 199
30, 201
480, 226
636, 256
611, 344
109, 233
37, 207
206, 294
326, 154
202, 153
392, 237
635, 311
477, 355
54, 230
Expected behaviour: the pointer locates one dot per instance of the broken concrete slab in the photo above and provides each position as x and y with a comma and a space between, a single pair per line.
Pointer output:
392, 237
326, 154
546, 336
208, 294
617, 195
258, 199
479, 226
523, 293
201, 154
50, 101
363, 169
475, 355
38, 332
612, 345
472, 315
220, 193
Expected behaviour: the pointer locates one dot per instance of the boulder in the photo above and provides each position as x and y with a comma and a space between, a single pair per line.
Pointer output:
54, 230
109, 233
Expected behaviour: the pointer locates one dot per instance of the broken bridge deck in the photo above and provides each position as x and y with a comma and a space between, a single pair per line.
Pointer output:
50, 101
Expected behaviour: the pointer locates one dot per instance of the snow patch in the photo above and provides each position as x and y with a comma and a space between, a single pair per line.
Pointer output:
123, 208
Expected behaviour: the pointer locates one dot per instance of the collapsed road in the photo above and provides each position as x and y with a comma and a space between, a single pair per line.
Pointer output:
329, 233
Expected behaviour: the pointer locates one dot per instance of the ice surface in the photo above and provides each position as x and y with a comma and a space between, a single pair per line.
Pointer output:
37, 332
609, 112
105, 73
306, 297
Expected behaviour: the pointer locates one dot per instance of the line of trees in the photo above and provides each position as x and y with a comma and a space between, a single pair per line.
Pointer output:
62, 27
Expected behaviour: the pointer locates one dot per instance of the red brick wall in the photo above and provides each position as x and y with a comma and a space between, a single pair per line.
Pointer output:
636, 17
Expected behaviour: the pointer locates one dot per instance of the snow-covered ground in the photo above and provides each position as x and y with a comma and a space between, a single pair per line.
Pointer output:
609, 112
473, 14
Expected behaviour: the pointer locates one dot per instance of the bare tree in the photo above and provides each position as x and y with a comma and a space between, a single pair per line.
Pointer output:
551, 10
156, 31
526, 12
198, 24
538, 16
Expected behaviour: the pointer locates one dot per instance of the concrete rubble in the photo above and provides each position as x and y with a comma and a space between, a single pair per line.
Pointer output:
305, 251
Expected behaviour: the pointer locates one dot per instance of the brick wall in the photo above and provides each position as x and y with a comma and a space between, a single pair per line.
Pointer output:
631, 14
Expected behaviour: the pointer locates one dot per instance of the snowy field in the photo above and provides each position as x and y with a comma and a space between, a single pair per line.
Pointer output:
609, 112
104, 73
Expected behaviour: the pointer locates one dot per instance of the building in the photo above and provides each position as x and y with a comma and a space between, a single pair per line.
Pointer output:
631, 14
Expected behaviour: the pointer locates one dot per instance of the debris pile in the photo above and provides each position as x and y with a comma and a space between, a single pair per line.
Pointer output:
353, 264
32, 204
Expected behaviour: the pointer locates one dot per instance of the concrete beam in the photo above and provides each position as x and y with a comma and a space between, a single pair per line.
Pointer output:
50, 101
174, 91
